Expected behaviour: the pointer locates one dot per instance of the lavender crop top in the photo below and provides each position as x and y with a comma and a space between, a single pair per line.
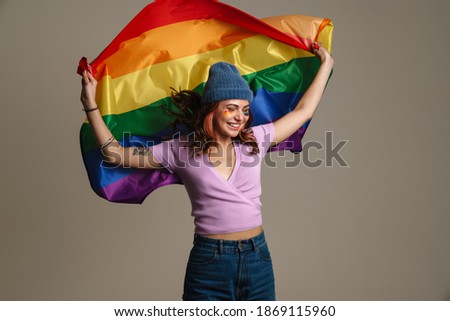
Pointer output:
219, 205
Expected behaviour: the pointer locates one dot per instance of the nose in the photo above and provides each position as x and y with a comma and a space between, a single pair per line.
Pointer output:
239, 115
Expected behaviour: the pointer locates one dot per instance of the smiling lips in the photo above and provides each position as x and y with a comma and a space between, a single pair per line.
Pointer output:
235, 126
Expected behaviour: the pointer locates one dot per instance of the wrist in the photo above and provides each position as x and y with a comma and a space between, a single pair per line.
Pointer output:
89, 109
328, 60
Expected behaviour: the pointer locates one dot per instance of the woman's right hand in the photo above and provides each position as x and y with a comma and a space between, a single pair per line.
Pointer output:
88, 89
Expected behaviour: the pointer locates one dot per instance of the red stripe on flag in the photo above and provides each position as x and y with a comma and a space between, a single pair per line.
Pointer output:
164, 12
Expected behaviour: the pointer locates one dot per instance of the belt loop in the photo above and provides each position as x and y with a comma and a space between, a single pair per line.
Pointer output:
220, 247
195, 239
253, 245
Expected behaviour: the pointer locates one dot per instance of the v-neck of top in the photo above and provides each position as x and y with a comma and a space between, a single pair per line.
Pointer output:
237, 160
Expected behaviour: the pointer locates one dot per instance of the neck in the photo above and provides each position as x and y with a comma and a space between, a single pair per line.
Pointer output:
223, 141
222, 150
223, 146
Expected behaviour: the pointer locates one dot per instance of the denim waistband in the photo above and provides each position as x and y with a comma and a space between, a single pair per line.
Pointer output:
229, 245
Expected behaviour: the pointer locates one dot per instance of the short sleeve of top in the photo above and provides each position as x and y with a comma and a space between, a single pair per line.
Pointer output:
264, 135
164, 154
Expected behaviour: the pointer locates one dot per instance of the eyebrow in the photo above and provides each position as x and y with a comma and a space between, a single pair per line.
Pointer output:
234, 105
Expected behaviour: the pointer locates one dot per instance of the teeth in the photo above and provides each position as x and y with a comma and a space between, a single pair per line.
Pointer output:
234, 125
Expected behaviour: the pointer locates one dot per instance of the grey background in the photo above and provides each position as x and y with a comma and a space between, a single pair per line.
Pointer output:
375, 230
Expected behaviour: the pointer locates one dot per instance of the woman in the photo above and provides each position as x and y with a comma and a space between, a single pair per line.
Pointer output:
220, 167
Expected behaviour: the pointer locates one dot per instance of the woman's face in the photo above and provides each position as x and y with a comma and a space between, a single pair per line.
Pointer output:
230, 117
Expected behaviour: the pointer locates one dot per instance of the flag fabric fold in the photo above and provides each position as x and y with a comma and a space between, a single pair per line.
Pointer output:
172, 43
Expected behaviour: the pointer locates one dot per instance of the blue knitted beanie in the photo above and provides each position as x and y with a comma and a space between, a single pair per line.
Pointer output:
225, 82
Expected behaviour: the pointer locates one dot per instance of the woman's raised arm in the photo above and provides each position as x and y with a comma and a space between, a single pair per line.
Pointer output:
304, 111
113, 152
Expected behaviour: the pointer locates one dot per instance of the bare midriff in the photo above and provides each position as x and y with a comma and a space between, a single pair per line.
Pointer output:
236, 236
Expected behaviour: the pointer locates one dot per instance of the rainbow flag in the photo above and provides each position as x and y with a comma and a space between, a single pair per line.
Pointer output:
172, 43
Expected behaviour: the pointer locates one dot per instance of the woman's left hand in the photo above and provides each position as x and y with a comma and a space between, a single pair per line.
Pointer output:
88, 90
323, 54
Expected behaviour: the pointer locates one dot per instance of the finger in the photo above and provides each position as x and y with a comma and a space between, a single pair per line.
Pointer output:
90, 77
85, 78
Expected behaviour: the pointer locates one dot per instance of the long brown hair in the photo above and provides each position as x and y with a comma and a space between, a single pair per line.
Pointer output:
199, 119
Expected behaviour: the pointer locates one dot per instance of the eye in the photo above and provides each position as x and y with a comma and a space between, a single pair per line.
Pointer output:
246, 112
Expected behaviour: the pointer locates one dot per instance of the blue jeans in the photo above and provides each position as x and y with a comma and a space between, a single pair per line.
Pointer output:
220, 270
